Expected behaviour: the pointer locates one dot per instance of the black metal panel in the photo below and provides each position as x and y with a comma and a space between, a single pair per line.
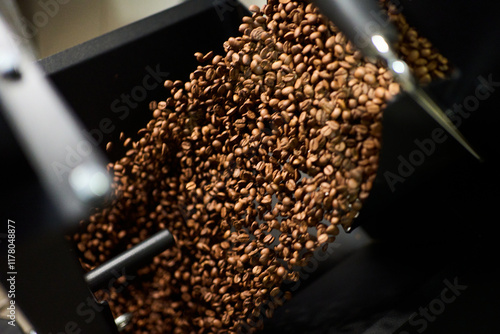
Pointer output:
115, 76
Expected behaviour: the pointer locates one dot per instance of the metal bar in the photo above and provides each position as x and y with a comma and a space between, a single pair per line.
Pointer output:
137, 256
71, 169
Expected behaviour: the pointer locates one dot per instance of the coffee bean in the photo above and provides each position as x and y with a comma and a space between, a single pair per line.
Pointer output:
373, 108
369, 78
322, 238
287, 91
268, 239
380, 92
254, 8
241, 163
328, 170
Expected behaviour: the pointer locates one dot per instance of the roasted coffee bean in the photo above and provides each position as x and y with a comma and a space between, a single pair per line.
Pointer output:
253, 164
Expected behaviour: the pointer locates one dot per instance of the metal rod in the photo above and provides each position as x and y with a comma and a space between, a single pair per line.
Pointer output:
439, 116
122, 321
70, 167
365, 26
137, 256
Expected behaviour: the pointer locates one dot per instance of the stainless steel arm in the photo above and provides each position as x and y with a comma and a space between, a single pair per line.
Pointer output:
374, 35
70, 167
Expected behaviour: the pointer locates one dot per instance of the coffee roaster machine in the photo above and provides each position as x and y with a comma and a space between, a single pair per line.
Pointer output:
421, 256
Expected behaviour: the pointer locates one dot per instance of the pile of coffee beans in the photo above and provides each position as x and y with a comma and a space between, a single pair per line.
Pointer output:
253, 164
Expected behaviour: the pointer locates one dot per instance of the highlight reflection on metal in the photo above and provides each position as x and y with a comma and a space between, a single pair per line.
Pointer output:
403, 75
360, 21
71, 170
9, 54
437, 113
89, 181
122, 321
380, 43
